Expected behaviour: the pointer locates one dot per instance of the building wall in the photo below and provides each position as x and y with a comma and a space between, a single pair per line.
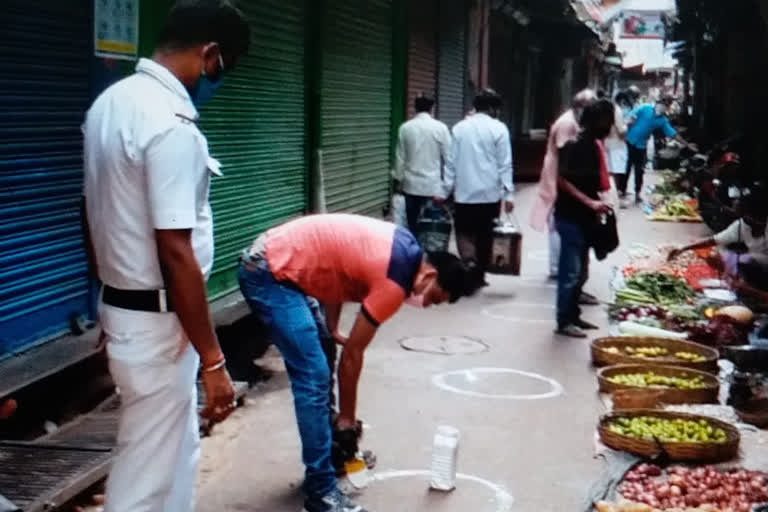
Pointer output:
380, 54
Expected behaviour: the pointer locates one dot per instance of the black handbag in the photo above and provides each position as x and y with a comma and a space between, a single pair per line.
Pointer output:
602, 235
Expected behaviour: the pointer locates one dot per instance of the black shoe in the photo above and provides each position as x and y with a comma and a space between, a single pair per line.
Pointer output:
583, 324
571, 331
587, 299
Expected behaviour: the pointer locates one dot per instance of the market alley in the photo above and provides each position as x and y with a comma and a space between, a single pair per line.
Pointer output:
538, 453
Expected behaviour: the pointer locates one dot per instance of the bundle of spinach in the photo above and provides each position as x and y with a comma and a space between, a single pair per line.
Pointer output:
662, 288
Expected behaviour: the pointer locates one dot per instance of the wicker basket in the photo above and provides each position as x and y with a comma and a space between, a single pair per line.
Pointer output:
705, 395
705, 452
638, 398
601, 357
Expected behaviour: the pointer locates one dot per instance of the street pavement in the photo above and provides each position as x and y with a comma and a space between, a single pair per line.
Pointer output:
521, 448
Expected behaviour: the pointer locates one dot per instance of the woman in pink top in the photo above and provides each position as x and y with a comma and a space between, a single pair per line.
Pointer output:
338, 258
564, 130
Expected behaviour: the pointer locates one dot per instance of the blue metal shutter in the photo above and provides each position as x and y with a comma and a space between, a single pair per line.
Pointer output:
44, 91
256, 127
356, 105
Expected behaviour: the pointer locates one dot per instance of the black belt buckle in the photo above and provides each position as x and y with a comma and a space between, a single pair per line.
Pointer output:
154, 301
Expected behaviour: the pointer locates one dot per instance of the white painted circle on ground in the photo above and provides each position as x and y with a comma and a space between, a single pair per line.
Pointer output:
510, 311
504, 500
472, 375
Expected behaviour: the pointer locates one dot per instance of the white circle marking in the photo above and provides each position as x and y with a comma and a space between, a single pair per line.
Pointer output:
504, 500
470, 374
490, 312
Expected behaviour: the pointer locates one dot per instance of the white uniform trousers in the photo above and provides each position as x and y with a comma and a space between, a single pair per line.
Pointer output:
158, 445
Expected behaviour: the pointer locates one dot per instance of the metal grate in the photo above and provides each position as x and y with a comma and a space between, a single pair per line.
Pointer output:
93, 432
51, 476
58, 467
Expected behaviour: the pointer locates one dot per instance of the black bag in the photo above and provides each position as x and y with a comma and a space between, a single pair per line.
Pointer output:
602, 234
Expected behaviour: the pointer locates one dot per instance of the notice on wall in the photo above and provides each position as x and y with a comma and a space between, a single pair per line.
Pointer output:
642, 25
116, 28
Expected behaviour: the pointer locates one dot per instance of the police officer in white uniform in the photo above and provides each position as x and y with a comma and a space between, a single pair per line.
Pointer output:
150, 237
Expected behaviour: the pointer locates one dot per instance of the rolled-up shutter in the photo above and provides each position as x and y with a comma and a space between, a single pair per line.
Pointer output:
356, 104
451, 61
44, 56
422, 56
256, 128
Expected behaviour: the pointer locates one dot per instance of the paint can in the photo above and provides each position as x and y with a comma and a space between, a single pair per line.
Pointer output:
445, 451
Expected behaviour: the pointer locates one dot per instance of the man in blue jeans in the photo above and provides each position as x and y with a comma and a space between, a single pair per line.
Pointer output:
577, 205
338, 258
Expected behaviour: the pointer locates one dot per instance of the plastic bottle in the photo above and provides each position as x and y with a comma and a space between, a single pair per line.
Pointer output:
445, 448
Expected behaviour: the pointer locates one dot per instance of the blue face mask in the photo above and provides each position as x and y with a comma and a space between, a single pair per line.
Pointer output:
205, 88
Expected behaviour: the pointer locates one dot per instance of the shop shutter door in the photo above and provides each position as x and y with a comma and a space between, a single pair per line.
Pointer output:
256, 128
422, 57
44, 56
451, 61
356, 105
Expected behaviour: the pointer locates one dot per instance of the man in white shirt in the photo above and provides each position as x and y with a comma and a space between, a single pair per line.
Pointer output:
422, 149
149, 234
743, 245
479, 173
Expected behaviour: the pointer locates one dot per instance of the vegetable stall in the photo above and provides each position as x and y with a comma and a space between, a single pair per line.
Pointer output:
670, 200
676, 404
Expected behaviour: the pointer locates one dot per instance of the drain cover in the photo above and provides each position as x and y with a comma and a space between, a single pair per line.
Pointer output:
445, 345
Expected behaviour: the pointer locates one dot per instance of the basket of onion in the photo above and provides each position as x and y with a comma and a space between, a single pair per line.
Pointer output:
706, 487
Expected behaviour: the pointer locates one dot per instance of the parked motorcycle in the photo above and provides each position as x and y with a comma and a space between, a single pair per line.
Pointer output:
720, 196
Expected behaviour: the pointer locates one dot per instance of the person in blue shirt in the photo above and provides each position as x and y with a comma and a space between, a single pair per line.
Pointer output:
642, 122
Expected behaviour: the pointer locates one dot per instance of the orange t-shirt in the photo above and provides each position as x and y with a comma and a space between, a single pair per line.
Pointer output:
339, 258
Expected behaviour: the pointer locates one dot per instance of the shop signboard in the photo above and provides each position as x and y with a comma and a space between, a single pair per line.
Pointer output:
642, 25
116, 28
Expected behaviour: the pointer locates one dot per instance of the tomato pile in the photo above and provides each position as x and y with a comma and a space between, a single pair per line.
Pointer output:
734, 490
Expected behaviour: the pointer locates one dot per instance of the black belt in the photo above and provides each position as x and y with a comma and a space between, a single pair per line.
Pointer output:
155, 301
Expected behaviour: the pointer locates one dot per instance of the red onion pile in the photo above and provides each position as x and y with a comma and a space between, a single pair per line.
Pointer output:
733, 490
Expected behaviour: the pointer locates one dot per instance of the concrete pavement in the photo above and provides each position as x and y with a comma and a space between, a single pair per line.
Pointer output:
538, 452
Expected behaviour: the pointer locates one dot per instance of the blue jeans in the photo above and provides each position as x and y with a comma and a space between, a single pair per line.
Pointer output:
295, 332
572, 272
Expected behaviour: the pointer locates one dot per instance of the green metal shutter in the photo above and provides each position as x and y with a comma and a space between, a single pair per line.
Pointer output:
451, 61
45, 47
256, 127
356, 110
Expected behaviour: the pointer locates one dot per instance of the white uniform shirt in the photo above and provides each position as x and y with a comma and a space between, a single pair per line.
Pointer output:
739, 231
147, 167
422, 148
480, 167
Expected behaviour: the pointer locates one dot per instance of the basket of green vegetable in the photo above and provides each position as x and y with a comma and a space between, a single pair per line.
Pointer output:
661, 351
680, 436
678, 385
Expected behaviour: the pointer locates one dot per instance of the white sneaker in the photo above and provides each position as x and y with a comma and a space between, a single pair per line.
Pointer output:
333, 502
